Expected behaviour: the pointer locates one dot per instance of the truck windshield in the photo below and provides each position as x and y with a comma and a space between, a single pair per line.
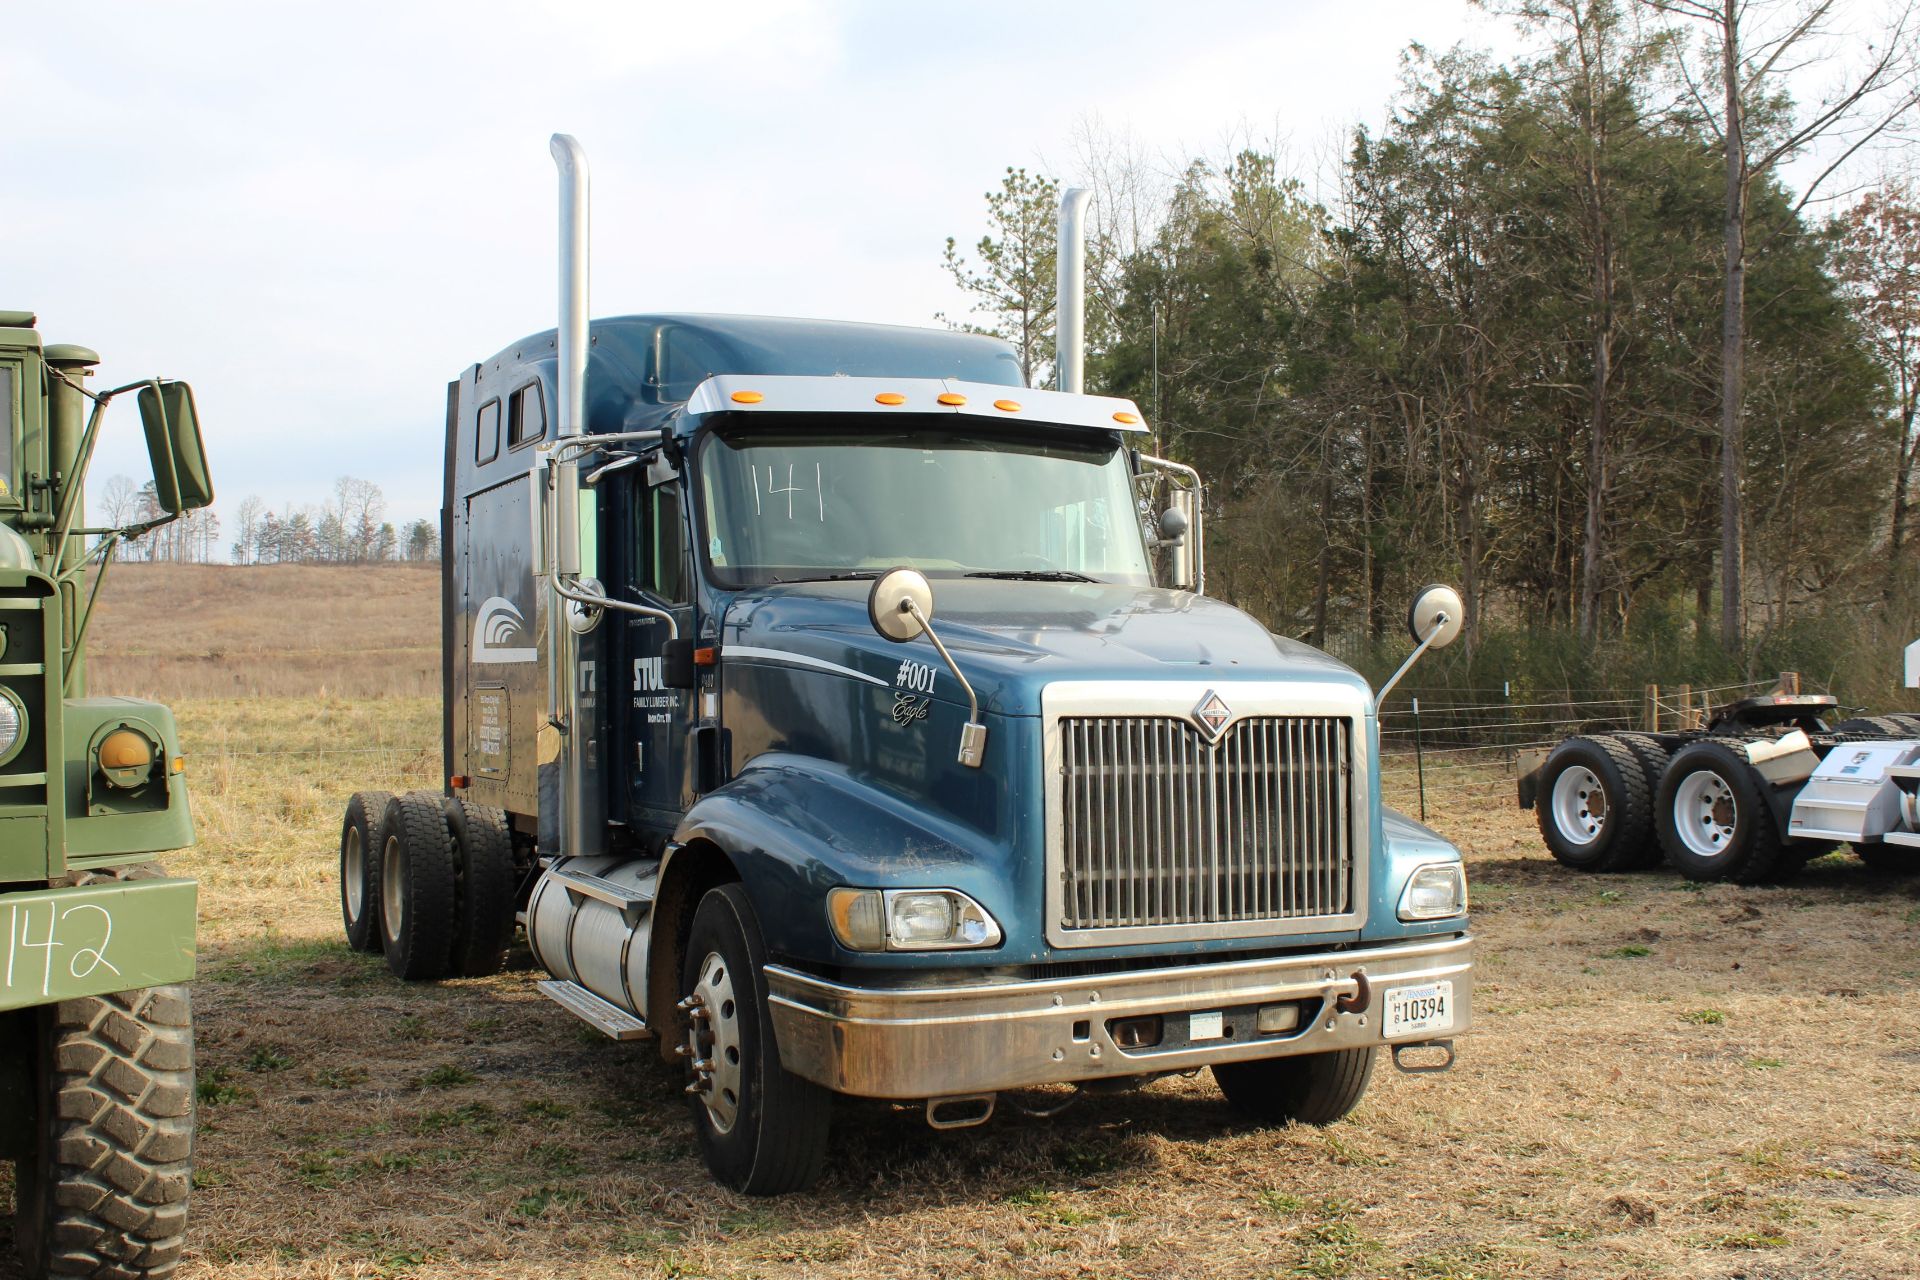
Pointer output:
786, 504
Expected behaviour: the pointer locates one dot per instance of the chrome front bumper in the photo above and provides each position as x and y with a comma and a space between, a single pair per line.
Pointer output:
931, 1042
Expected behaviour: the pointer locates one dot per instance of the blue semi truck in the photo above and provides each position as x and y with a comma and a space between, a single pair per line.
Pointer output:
845, 717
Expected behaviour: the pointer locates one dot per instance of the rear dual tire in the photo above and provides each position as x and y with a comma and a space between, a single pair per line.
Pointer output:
1594, 806
1714, 820
428, 882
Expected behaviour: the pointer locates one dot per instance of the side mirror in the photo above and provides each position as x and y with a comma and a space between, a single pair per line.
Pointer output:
1436, 616
180, 480
900, 604
1173, 526
1176, 534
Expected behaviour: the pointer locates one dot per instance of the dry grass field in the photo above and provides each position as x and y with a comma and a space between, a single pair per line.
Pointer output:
1666, 1080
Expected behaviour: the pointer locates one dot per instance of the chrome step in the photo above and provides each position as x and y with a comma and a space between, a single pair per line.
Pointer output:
625, 898
590, 1008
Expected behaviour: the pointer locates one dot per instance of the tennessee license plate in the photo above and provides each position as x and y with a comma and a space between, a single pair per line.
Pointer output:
1413, 1011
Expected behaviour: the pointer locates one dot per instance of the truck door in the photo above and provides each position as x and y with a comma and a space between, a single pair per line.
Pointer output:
658, 719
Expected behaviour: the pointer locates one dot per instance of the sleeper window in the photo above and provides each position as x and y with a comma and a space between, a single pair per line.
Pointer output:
526, 416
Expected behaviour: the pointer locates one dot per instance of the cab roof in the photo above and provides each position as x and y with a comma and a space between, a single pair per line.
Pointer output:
642, 369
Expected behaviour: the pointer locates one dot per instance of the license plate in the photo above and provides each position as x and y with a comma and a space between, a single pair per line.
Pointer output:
1413, 1011
1206, 1026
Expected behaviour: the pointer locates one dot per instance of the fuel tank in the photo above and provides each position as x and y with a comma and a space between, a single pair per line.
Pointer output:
589, 921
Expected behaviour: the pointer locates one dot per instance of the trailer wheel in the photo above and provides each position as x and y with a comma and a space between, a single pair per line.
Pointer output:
1593, 809
762, 1128
1311, 1088
360, 842
1888, 859
104, 1191
1714, 822
483, 860
1652, 759
417, 887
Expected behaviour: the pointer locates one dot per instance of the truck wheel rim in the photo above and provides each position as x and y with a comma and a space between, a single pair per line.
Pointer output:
719, 1046
1705, 814
1579, 805
353, 873
393, 889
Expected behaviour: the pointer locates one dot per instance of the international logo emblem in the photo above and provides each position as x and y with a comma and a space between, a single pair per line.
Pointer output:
500, 634
1212, 715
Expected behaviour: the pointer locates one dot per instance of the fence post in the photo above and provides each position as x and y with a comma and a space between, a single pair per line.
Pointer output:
1652, 712
1420, 759
1790, 682
1686, 707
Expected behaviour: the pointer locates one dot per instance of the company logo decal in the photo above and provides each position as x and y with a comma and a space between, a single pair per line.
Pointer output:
1212, 715
496, 630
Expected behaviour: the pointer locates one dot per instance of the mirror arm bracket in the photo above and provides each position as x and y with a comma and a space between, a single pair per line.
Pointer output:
973, 738
1439, 624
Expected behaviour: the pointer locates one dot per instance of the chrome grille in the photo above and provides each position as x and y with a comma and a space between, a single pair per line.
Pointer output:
1162, 828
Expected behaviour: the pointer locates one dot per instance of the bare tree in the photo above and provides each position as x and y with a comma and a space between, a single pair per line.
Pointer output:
119, 501
245, 546
1756, 45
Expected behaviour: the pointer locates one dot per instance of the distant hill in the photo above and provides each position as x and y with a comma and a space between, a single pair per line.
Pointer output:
179, 631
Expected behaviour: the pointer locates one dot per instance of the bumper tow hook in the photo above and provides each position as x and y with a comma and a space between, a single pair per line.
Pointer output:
1361, 998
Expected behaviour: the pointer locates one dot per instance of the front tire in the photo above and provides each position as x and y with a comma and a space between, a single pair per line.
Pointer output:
762, 1129
1593, 808
1310, 1088
1714, 820
104, 1193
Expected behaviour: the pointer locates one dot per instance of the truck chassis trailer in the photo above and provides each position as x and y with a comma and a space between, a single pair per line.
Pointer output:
1764, 786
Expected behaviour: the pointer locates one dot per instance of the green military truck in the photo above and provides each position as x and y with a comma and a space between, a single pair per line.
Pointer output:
96, 1032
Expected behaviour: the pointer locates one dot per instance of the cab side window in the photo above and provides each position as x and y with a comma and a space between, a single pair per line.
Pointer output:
662, 553
526, 416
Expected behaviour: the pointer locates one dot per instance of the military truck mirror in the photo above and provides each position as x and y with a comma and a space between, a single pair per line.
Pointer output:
677, 668
180, 480
1173, 525
1434, 607
900, 604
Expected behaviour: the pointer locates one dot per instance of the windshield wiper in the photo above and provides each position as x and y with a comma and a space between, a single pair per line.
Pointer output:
856, 575
1033, 575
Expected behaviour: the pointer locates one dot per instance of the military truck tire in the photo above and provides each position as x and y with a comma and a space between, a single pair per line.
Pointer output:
1714, 822
1594, 807
104, 1195
483, 863
1653, 760
1888, 859
762, 1129
360, 843
418, 893
1311, 1088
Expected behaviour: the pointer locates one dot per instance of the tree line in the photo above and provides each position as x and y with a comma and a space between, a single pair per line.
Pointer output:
1560, 331
349, 528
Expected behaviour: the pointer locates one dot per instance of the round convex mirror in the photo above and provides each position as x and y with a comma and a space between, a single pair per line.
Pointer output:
1436, 605
887, 603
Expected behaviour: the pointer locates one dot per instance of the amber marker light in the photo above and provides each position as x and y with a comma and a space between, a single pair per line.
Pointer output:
953, 398
707, 656
1007, 406
747, 397
125, 749
179, 764
1131, 419
889, 397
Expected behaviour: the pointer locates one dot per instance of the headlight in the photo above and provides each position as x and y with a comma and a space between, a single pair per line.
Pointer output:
909, 920
13, 725
1435, 891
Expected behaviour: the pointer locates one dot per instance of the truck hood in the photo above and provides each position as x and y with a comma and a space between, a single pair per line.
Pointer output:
1014, 638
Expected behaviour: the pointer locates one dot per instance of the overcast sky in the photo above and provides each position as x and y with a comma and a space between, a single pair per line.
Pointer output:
320, 213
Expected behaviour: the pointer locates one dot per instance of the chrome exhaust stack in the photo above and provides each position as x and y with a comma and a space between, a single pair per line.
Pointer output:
571, 710
1070, 293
